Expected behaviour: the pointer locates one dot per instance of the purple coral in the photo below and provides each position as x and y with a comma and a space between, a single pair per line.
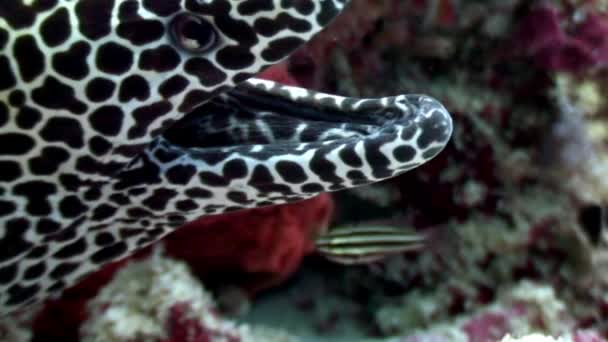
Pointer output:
555, 43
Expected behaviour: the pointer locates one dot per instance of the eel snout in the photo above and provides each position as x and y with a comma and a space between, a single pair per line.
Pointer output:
307, 142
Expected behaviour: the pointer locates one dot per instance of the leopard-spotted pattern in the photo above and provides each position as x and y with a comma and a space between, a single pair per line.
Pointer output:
120, 120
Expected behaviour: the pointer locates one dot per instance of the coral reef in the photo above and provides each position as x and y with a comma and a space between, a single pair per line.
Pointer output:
515, 207
17, 328
155, 299
580, 336
561, 41
531, 338
252, 249
505, 203
520, 310
158, 299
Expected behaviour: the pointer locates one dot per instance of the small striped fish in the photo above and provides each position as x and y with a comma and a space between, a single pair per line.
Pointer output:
362, 245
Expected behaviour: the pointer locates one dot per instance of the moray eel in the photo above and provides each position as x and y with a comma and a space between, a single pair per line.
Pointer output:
121, 120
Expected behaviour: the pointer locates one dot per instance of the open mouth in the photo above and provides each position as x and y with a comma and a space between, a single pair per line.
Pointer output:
245, 118
269, 144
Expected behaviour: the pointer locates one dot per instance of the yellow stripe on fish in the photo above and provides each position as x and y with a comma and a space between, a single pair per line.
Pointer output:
360, 244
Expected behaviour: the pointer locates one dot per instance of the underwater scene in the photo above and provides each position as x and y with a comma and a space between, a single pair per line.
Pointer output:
304, 170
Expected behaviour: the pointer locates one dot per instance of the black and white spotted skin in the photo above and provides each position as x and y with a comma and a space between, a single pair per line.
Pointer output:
121, 120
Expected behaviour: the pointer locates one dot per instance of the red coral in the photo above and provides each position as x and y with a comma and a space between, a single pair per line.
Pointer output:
183, 326
254, 248
490, 326
279, 73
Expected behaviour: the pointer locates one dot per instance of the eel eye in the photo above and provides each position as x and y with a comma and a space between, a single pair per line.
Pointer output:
193, 33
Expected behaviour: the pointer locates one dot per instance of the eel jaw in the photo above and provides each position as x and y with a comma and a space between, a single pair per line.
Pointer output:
297, 149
